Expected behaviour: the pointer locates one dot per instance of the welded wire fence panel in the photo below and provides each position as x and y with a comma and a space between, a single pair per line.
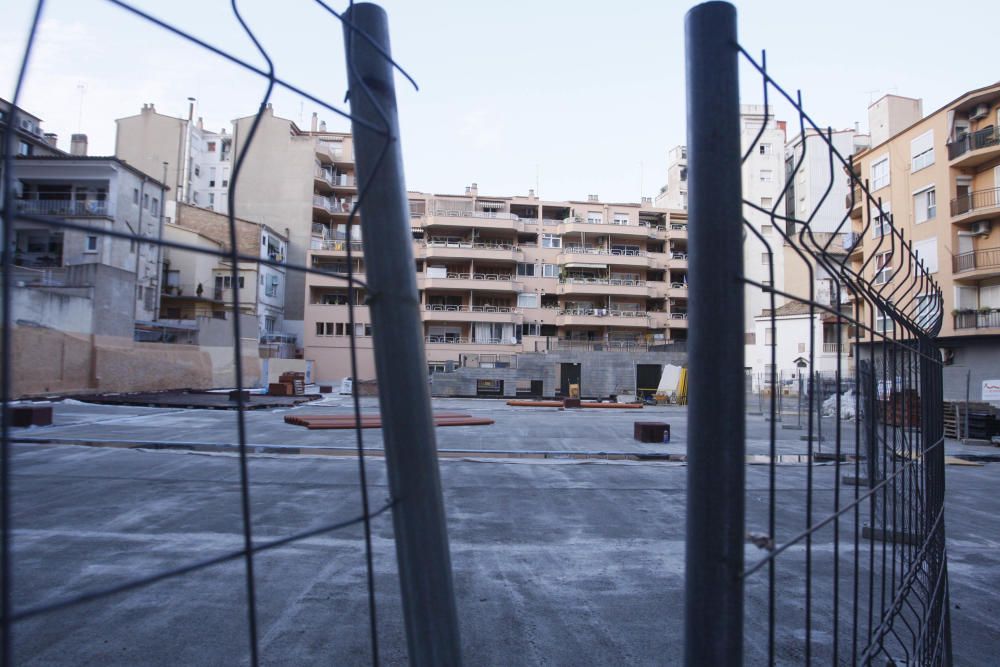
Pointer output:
91, 220
844, 559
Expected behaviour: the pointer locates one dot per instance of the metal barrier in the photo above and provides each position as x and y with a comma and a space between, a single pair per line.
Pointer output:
416, 505
839, 564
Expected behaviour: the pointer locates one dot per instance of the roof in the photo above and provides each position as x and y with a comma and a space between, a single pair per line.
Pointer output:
92, 158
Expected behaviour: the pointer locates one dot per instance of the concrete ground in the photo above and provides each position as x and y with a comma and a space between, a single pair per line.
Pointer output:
560, 562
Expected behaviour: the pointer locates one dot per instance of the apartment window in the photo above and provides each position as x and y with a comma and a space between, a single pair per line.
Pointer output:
766, 202
880, 173
23, 148
621, 218
271, 286
928, 306
926, 252
765, 149
211, 147
340, 329
361, 330
211, 199
531, 329
211, 177
552, 241
155, 207
197, 170
766, 230
924, 205
145, 201
883, 323
525, 300
882, 224
765, 258
526, 269
226, 282
766, 176
91, 244
883, 271
922, 151
550, 271
594, 218
135, 196
769, 336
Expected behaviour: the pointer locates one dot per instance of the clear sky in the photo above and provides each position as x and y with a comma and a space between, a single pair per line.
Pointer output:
581, 97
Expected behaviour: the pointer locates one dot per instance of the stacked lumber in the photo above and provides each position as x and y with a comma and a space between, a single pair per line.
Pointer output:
583, 404
981, 417
320, 422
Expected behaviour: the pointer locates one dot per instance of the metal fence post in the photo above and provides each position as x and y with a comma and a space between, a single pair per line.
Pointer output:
404, 397
713, 605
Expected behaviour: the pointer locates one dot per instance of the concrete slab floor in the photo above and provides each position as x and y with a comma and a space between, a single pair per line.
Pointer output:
555, 563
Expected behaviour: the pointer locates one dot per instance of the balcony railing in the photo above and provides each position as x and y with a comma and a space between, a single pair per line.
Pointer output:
62, 207
442, 308
618, 282
988, 258
324, 174
833, 348
469, 245
975, 200
853, 241
602, 312
589, 250
488, 215
989, 136
978, 320
503, 277
331, 244
463, 340
608, 345
678, 255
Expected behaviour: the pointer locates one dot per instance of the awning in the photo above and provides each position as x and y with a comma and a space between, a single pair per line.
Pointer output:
582, 265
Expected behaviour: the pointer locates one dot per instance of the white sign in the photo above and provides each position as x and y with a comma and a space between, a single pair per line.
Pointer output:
991, 390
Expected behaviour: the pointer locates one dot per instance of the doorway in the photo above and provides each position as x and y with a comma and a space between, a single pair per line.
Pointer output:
647, 379
569, 374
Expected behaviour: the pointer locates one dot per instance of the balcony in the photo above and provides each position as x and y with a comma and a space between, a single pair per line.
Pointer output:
323, 177
854, 242
617, 257
493, 282
582, 225
975, 148
330, 151
977, 264
462, 343
855, 202
982, 319
603, 317
446, 250
678, 230
442, 313
64, 208
336, 248
341, 180
833, 348
611, 286
977, 205
478, 219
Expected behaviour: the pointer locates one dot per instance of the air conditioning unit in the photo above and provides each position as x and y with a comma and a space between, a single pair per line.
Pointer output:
981, 227
981, 111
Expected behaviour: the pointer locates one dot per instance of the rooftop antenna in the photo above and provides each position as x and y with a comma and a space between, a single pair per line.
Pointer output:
81, 88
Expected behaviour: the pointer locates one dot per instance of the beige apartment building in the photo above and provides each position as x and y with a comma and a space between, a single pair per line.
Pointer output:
939, 178
498, 276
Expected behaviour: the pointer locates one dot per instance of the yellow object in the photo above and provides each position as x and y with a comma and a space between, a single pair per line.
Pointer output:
682, 387
574, 391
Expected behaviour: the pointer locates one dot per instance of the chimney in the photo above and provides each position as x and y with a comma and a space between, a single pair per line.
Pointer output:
531, 193
593, 198
201, 123
52, 139
647, 200
315, 121
78, 145
190, 109
474, 189
322, 126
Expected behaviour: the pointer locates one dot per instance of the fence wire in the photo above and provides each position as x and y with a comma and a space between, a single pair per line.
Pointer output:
10, 614
859, 574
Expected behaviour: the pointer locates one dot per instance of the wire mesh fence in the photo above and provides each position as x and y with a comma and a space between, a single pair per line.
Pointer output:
841, 560
421, 542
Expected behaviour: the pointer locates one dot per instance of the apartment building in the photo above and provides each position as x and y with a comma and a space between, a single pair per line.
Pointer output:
105, 194
299, 181
200, 285
674, 194
951, 155
498, 276
194, 161
30, 139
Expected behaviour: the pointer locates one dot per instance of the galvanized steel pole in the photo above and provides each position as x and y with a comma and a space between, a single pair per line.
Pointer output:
404, 398
713, 604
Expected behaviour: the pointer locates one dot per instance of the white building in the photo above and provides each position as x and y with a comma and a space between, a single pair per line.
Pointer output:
195, 162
